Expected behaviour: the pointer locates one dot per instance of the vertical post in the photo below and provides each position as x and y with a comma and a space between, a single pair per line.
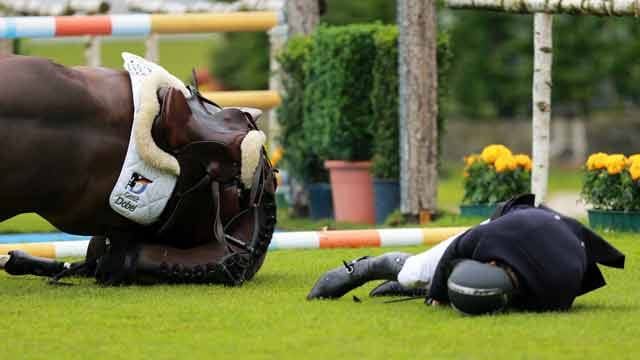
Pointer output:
277, 38
302, 16
542, 48
418, 83
92, 51
152, 52
6, 47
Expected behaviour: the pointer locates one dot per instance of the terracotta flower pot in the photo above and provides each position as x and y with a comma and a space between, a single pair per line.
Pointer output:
352, 191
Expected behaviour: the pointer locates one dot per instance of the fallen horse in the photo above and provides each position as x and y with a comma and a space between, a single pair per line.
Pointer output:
173, 188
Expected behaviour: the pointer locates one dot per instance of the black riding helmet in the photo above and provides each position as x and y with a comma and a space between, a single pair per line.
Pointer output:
477, 288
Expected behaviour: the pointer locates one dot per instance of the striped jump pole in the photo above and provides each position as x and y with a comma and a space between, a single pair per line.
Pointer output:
136, 25
56, 249
281, 240
261, 99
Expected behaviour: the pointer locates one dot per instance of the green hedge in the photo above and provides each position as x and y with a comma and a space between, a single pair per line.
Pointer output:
385, 100
337, 106
341, 100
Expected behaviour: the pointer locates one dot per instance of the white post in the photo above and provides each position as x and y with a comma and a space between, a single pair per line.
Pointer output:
574, 7
277, 39
542, 49
92, 51
153, 50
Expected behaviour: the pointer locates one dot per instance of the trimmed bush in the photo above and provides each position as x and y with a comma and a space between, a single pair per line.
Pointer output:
337, 107
341, 99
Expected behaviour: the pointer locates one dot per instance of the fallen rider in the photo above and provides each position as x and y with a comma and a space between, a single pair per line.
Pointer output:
524, 257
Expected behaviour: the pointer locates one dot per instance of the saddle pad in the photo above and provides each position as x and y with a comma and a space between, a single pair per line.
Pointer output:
142, 191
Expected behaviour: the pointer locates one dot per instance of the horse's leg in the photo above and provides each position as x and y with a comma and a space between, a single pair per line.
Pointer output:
21, 263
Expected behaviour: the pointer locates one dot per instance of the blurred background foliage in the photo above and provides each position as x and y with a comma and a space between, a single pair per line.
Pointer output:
595, 59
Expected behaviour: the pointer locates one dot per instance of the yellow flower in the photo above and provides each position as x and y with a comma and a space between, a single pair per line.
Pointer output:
597, 161
616, 163
523, 161
505, 162
469, 160
465, 174
276, 155
634, 170
492, 152
633, 158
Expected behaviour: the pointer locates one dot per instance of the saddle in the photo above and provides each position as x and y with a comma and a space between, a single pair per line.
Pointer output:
218, 223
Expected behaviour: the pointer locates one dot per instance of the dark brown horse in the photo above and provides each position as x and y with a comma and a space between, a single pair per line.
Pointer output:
65, 133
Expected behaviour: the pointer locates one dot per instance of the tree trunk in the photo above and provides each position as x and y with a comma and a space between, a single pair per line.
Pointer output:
574, 7
542, 48
418, 106
302, 16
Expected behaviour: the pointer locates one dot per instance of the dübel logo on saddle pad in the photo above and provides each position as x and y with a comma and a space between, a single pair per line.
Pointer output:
142, 190
135, 187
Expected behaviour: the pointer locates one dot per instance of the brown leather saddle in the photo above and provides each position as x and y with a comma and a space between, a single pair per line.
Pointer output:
214, 228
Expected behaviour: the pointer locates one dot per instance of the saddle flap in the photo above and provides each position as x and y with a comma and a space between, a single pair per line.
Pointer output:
174, 115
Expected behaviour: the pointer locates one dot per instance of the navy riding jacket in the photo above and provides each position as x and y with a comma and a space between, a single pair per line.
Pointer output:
554, 257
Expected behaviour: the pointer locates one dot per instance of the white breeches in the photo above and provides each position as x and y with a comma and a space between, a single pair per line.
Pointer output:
419, 269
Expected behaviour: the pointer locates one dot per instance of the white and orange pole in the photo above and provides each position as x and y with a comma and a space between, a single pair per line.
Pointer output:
281, 240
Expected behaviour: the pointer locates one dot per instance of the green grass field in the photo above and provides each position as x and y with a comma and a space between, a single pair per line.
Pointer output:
269, 318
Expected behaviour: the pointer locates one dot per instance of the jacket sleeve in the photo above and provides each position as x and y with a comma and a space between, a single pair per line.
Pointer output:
598, 251
461, 248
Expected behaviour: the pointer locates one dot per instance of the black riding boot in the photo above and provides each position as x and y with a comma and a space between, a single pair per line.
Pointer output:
337, 282
394, 288
21, 263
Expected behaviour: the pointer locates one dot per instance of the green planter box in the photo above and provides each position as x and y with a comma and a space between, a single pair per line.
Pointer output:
615, 220
478, 210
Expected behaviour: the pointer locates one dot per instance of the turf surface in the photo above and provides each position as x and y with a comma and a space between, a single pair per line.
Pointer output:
269, 317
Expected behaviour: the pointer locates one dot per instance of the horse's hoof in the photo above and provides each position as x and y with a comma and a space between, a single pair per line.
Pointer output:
21, 263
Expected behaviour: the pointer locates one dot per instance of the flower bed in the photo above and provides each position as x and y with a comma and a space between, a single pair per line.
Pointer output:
611, 186
495, 175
